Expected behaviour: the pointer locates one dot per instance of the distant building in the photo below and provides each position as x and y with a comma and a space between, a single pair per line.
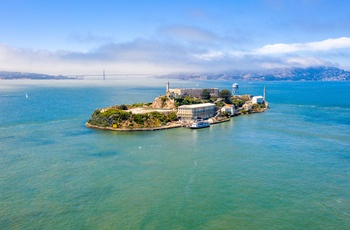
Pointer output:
193, 92
196, 111
257, 99
230, 109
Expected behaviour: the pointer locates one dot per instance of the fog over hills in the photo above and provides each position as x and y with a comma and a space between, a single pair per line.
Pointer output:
281, 74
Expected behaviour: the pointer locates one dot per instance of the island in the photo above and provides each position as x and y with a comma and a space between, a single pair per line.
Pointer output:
179, 107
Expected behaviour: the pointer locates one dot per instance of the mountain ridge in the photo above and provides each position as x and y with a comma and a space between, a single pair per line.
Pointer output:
320, 73
8, 75
279, 74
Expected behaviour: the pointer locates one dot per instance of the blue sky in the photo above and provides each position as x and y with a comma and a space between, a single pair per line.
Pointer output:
159, 37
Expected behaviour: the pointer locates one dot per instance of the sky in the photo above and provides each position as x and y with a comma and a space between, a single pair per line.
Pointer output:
73, 37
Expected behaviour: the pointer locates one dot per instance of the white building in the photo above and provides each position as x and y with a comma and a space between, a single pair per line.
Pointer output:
230, 109
196, 111
257, 99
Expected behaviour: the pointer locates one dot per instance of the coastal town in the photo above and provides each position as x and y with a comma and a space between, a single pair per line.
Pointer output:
180, 107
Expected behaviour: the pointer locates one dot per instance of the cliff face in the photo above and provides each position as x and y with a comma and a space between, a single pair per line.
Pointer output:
163, 102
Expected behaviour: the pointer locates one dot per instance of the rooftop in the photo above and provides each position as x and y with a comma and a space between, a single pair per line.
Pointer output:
146, 110
197, 105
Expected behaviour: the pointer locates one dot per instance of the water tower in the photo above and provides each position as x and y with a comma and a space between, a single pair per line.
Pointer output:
235, 89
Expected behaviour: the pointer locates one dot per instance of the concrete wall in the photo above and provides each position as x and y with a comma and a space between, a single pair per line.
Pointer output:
193, 92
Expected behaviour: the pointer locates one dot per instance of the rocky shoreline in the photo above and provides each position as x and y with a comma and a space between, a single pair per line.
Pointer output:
171, 126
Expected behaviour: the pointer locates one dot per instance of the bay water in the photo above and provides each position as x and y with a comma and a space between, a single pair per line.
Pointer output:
286, 168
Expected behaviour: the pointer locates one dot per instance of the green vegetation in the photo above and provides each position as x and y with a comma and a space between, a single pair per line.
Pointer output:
220, 104
186, 101
133, 106
226, 95
205, 94
136, 105
117, 118
243, 111
172, 117
123, 107
113, 112
259, 106
238, 102
164, 98
225, 114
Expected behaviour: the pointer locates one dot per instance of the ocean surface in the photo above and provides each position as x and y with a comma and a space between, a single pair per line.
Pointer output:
286, 168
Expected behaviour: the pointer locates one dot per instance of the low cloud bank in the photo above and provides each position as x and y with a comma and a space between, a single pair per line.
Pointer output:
157, 56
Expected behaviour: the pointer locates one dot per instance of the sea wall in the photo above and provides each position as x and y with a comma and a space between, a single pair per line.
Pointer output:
171, 126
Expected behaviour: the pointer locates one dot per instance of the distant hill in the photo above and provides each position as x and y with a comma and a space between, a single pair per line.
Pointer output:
283, 74
35, 76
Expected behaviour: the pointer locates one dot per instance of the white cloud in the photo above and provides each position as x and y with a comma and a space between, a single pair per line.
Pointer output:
305, 61
137, 57
209, 56
296, 61
152, 56
325, 45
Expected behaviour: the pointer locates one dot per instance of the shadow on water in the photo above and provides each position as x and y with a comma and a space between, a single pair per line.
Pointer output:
37, 141
76, 133
102, 154
10, 137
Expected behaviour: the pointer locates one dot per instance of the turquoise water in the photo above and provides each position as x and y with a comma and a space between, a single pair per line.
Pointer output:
287, 168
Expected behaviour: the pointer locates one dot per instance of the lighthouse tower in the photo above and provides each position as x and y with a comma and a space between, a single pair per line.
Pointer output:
235, 89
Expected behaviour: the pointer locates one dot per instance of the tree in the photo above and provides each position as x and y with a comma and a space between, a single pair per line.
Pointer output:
226, 95
123, 107
205, 94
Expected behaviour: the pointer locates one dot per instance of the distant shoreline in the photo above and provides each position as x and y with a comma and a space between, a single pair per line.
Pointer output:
293, 74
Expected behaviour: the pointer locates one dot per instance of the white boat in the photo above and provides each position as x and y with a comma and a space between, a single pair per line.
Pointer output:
199, 124
27, 95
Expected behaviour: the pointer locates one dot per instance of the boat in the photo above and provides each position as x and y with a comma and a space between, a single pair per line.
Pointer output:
199, 124
27, 95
